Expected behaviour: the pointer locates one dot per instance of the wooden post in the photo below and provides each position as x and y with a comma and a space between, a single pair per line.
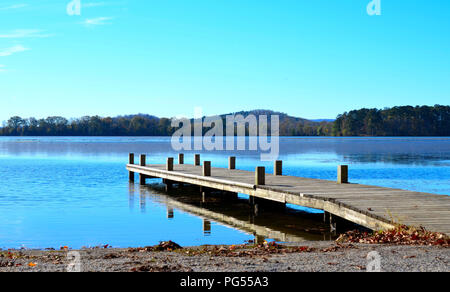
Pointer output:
197, 159
181, 158
260, 176
326, 217
230, 196
206, 168
169, 165
278, 167
342, 177
231, 162
142, 159
333, 225
169, 186
131, 161
203, 197
131, 158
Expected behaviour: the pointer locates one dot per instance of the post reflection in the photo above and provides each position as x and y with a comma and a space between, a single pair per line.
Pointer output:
289, 226
169, 212
206, 227
131, 191
142, 201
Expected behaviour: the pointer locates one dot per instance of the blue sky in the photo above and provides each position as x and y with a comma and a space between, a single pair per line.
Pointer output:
313, 59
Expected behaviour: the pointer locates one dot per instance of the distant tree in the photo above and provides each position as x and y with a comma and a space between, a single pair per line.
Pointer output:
396, 121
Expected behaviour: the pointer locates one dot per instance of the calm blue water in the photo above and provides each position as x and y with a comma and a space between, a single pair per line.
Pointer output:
75, 192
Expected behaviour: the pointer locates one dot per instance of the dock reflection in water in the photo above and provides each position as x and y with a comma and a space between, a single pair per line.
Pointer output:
279, 224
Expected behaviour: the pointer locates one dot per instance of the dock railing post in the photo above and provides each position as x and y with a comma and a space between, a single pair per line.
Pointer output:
342, 176
197, 159
169, 164
206, 168
131, 161
278, 167
181, 158
142, 162
260, 176
231, 162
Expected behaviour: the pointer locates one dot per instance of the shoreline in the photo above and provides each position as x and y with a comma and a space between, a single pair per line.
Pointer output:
325, 256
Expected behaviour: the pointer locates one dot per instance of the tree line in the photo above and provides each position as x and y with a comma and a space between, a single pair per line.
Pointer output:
135, 125
396, 121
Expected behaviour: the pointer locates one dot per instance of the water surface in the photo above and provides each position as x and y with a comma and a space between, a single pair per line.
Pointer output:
67, 191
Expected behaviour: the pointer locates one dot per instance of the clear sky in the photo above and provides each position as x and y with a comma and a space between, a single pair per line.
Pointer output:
308, 58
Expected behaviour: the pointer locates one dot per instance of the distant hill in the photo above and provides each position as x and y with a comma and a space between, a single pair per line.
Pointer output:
258, 112
396, 121
323, 120
291, 126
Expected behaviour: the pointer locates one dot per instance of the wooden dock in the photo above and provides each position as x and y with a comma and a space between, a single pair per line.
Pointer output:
377, 208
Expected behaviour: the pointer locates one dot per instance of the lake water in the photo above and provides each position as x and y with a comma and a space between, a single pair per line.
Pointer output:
75, 192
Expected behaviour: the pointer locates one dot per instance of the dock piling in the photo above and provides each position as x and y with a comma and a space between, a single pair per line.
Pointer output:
278, 167
168, 183
231, 162
142, 162
206, 168
260, 176
131, 161
327, 217
333, 225
181, 158
255, 209
169, 164
342, 177
203, 196
197, 159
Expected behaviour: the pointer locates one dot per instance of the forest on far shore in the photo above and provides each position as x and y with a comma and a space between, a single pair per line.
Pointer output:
395, 121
